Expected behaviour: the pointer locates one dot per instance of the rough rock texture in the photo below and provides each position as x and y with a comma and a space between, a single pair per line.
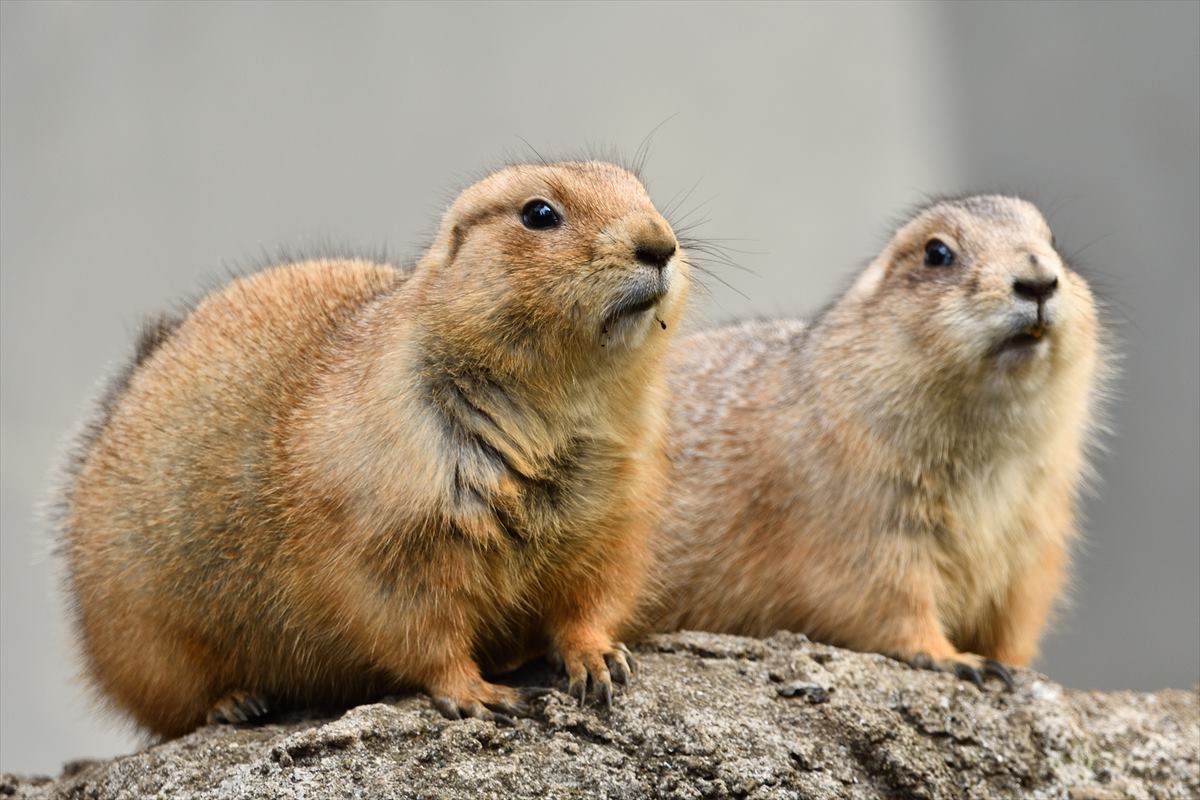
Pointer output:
708, 716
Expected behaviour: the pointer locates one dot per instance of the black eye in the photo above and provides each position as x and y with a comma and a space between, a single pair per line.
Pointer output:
937, 254
538, 215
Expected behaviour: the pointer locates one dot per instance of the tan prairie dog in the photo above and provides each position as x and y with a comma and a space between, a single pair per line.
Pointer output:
900, 474
335, 479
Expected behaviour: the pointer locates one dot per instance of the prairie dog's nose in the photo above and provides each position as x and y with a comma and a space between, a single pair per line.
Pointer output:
1036, 288
653, 243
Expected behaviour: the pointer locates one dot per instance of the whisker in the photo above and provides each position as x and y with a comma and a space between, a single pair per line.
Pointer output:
714, 254
719, 279
540, 157
679, 223
1079, 251
642, 154
674, 204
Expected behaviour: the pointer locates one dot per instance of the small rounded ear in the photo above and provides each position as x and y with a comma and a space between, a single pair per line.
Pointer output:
868, 282
443, 248
457, 234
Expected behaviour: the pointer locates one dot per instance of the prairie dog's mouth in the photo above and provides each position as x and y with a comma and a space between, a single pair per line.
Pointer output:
633, 308
1026, 338
638, 299
625, 320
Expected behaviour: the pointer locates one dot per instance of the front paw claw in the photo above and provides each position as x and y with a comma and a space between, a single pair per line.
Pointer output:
995, 668
966, 672
601, 668
577, 686
620, 665
965, 666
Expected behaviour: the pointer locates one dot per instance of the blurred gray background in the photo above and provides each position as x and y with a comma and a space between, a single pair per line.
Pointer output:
143, 147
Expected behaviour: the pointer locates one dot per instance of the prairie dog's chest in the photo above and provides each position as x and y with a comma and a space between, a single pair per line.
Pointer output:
991, 535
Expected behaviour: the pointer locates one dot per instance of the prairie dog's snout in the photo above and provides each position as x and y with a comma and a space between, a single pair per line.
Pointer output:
642, 240
653, 242
1037, 288
1033, 303
643, 246
1034, 288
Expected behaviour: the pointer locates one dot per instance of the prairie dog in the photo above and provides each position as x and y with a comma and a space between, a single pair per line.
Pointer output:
899, 475
336, 479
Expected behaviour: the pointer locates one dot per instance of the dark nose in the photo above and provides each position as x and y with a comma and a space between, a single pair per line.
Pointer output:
654, 254
1035, 289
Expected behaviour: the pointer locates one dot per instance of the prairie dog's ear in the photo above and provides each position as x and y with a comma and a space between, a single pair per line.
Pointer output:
457, 234
868, 282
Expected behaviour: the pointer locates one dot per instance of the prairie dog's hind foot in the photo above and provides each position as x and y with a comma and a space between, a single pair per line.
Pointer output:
237, 707
965, 666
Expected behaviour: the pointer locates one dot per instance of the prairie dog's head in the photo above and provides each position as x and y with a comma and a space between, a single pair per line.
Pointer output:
978, 284
569, 258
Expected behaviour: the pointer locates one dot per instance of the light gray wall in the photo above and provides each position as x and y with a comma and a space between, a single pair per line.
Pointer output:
144, 146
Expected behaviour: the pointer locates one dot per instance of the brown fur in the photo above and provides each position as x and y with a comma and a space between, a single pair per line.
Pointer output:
885, 478
334, 479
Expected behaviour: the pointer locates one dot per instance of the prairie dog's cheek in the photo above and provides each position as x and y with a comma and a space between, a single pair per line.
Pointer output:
954, 324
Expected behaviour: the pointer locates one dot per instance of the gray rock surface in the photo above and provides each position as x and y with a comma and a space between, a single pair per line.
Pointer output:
707, 717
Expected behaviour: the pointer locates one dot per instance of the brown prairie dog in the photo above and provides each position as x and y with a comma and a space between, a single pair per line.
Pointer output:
899, 475
335, 480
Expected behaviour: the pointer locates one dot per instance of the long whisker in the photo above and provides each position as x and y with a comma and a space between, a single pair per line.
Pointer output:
677, 202
680, 223
642, 154
540, 157
718, 278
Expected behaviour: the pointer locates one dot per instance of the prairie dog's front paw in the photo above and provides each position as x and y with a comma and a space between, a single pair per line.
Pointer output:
965, 666
603, 663
482, 700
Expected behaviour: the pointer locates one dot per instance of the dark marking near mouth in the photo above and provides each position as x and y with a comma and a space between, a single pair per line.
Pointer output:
630, 308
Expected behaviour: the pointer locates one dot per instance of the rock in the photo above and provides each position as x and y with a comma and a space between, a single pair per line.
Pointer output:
707, 717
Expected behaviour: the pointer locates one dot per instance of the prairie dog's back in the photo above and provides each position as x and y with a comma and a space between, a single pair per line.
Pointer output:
729, 395
221, 386
714, 373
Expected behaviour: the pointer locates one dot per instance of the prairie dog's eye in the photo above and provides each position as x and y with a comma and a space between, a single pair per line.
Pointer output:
938, 254
538, 215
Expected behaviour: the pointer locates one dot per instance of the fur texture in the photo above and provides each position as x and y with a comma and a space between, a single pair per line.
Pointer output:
334, 479
901, 474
